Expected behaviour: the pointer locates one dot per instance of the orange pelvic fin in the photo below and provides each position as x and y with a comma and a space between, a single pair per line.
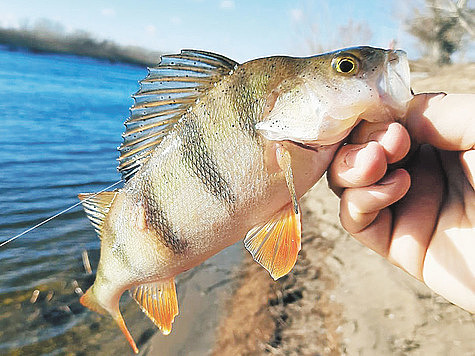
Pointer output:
159, 302
90, 301
276, 244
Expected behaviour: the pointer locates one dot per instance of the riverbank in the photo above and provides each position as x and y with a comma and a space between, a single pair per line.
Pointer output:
79, 43
340, 299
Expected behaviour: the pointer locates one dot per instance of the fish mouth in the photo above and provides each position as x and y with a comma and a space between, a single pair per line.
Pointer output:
314, 145
393, 84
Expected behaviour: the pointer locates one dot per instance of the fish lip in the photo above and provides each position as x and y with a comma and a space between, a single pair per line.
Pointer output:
393, 84
312, 145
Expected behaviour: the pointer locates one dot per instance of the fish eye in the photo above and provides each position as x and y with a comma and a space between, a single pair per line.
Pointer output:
345, 65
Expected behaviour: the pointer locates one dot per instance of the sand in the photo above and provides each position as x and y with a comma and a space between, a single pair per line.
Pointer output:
341, 298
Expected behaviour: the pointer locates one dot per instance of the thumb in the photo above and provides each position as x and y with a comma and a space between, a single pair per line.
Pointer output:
445, 121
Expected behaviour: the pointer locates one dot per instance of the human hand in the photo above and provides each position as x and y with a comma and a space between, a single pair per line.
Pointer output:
421, 215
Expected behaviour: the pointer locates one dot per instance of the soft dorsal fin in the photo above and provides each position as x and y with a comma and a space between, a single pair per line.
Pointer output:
276, 244
164, 96
96, 207
158, 301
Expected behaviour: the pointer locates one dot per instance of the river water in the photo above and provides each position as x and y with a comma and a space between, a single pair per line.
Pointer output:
61, 121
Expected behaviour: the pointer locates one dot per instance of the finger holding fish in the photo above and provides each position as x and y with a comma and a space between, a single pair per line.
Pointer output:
359, 207
368, 190
364, 161
392, 136
357, 165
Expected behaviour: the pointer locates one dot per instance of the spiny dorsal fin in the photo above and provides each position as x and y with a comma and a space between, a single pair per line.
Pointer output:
97, 207
158, 301
276, 244
164, 96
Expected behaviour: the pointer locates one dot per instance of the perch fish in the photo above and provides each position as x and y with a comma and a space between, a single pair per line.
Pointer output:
214, 152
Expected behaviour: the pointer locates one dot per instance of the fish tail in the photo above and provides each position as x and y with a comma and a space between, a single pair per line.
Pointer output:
89, 300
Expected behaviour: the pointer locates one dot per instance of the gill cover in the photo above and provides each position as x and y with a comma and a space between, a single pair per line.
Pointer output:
333, 91
299, 114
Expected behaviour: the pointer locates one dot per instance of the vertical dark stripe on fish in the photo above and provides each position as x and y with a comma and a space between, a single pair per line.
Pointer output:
198, 158
155, 219
247, 116
245, 106
119, 251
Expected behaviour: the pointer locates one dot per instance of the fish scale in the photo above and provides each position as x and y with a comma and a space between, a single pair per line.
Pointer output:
215, 152
196, 154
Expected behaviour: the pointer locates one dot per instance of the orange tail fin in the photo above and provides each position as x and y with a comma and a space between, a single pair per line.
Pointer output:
121, 323
90, 301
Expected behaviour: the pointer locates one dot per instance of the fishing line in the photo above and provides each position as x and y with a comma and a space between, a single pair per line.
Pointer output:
57, 214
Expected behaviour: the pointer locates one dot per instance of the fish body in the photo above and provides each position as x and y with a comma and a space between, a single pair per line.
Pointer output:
215, 151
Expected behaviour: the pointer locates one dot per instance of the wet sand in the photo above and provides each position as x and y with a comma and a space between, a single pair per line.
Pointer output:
341, 298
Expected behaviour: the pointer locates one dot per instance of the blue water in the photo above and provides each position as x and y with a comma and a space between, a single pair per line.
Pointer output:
61, 122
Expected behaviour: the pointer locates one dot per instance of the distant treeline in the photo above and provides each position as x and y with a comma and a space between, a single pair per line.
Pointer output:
80, 43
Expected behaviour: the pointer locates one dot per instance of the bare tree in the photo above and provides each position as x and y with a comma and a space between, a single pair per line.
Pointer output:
443, 27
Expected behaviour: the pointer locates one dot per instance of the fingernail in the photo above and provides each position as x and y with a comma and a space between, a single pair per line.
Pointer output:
388, 179
436, 97
360, 155
350, 157
384, 137
377, 135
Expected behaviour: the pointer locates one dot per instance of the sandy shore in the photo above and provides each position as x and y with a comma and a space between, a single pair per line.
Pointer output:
341, 298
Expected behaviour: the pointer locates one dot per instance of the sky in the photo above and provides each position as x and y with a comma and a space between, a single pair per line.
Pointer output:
239, 29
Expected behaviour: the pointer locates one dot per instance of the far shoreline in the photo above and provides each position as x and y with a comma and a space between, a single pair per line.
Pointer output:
79, 44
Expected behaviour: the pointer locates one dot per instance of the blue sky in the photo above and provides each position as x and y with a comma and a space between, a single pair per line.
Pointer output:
239, 29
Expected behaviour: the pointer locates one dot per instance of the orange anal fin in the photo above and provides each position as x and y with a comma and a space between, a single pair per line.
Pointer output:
159, 302
90, 301
276, 244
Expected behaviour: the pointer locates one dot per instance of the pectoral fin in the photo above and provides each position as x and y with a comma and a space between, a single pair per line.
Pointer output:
159, 302
276, 244
284, 161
